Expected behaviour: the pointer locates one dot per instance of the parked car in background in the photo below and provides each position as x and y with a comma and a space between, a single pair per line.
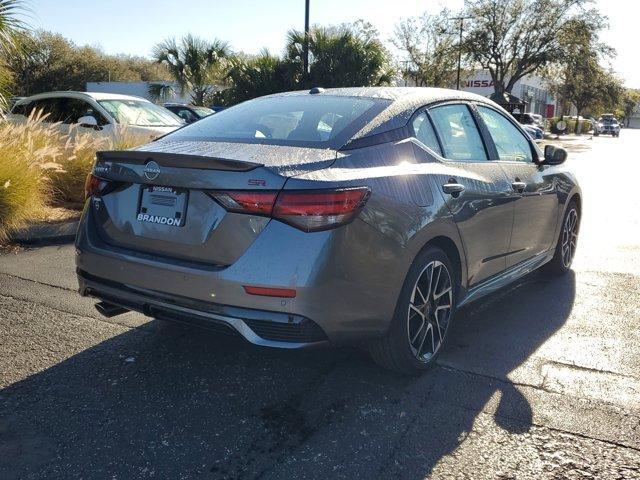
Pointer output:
106, 113
369, 216
538, 120
189, 113
525, 118
532, 123
607, 124
534, 131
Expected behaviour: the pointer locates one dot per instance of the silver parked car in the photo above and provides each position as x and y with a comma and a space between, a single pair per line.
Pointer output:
328, 216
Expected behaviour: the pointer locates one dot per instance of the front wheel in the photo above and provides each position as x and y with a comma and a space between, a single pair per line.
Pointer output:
567, 243
422, 317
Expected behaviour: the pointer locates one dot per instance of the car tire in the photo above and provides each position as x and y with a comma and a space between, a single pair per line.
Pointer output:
567, 243
420, 323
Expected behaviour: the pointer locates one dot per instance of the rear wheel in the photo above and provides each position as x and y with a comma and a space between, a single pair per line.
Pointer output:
422, 317
567, 243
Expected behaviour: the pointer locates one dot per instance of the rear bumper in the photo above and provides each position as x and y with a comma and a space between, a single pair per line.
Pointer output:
346, 280
269, 329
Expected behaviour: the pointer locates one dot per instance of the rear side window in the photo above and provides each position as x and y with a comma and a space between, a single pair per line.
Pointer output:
22, 109
49, 107
301, 120
423, 131
510, 143
458, 133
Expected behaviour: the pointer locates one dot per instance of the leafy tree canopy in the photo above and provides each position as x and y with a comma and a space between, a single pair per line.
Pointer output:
515, 38
49, 61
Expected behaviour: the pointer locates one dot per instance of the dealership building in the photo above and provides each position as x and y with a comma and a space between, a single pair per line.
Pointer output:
532, 90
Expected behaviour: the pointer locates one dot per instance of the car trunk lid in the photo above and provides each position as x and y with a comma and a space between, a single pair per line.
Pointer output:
157, 199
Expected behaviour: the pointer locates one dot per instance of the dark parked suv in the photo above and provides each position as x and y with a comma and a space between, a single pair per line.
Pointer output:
348, 215
189, 113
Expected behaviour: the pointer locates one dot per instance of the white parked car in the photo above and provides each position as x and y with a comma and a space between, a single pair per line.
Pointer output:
107, 113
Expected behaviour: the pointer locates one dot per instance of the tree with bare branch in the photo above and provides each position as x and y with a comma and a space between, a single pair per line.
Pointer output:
429, 50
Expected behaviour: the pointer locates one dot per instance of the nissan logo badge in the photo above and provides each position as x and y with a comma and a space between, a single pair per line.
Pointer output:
151, 170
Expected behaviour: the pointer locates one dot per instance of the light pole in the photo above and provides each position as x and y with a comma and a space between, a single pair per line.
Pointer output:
461, 20
306, 38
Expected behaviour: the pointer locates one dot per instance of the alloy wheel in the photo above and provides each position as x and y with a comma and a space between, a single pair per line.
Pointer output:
569, 237
429, 310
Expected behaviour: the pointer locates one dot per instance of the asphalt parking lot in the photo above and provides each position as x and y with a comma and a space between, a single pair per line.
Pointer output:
540, 381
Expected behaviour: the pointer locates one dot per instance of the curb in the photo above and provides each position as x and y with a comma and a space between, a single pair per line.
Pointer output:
43, 231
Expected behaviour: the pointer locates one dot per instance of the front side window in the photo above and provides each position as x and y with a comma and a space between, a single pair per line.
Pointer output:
423, 131
302, 120
511, 144
458, 133
72, 109
139, 113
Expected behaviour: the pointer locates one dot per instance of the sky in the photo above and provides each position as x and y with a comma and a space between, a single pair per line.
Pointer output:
134, 26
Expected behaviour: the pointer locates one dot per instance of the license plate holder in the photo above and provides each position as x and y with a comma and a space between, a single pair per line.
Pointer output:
162, 205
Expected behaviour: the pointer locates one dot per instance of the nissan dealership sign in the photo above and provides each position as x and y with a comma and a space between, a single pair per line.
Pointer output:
477, 83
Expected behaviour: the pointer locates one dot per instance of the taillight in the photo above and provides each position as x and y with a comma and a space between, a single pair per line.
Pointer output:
243, 201
98, 186
319, 209
93, 185
308, 210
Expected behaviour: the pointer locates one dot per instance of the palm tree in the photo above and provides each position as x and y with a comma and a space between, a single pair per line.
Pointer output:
195, 64
341, 57
251, 77
11, 29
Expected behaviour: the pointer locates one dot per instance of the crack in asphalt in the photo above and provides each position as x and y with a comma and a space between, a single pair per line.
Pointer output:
540, 425
38, 282
74, 314
582, 368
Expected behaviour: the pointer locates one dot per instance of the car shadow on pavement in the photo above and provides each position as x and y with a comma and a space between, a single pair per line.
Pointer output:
167, 401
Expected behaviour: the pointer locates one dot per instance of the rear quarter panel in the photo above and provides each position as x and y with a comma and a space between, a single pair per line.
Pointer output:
405, 205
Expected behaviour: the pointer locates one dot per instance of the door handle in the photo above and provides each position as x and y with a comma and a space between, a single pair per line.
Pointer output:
519, 186
453, 189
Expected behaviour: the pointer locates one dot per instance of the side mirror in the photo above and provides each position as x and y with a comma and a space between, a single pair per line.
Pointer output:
87, 121
554, 155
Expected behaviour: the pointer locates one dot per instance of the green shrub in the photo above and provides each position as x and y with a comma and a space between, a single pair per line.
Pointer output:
585, 125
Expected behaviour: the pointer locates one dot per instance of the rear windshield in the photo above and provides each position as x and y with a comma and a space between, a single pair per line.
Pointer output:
321, 121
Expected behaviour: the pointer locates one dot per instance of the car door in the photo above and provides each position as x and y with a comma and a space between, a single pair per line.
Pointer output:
535, 205
475, 189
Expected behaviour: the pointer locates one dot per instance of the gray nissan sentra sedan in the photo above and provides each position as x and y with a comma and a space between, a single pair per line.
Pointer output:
326, 216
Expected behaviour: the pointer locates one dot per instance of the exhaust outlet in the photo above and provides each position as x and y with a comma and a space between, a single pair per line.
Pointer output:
109, 309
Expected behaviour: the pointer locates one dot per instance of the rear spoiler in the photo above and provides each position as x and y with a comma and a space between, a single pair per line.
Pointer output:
178, 160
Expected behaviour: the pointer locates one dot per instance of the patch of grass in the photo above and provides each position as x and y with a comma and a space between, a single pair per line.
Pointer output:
27, 151
42, 165
77, 159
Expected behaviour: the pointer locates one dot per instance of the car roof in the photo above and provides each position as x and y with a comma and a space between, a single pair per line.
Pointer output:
403, 102
424, 94
83, 95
